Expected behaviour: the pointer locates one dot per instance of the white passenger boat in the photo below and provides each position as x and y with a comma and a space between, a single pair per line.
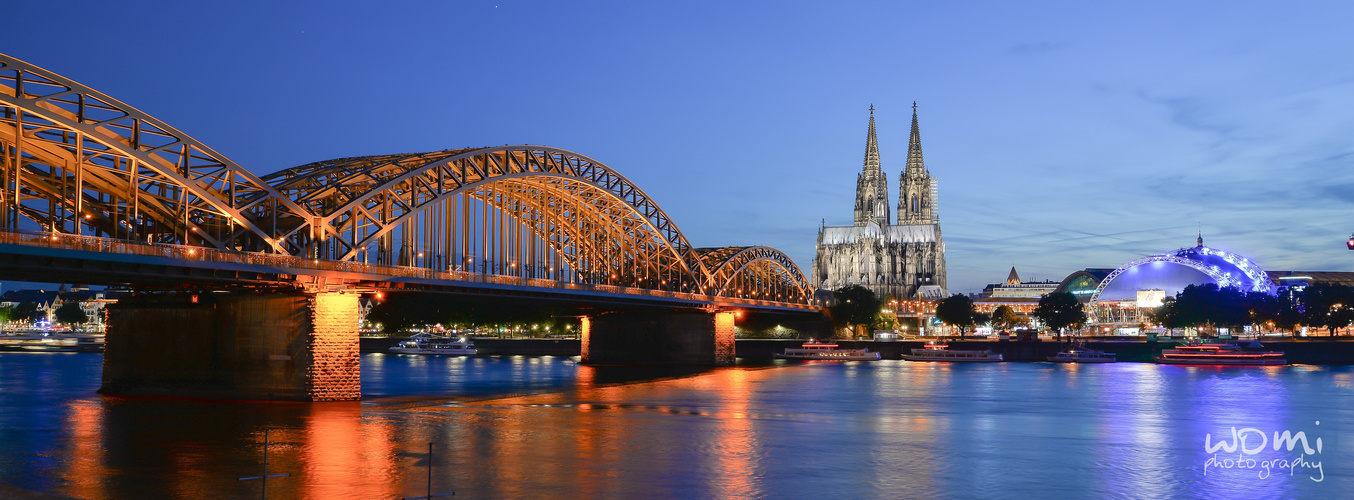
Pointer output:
1083, 354
52, 342
427, 343
818, 350
941, 352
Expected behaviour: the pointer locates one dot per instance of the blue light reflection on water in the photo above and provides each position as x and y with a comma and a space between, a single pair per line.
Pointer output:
546, 426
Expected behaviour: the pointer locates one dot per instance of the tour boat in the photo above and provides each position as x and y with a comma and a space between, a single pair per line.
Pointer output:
427, 343
1232, 353
1082, 354
818, 350
52, 342
941, 352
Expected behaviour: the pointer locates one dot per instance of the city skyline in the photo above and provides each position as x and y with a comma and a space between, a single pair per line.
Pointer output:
1064, 136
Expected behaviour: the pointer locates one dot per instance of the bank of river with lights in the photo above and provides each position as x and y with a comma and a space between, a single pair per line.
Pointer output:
1307, 351
517, 427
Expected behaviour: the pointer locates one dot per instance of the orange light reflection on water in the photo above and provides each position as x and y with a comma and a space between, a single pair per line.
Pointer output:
345, 457
85, 474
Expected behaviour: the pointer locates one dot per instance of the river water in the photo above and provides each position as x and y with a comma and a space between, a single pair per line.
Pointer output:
547, 427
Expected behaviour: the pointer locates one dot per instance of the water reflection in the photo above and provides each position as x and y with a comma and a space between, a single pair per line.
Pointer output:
533, 427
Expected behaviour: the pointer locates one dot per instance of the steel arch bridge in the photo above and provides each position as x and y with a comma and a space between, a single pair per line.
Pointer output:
76, 161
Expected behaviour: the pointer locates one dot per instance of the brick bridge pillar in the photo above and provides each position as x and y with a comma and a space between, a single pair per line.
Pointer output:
687, 338
278, 346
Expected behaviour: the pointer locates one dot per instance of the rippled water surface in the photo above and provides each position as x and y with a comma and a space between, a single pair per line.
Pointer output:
546, 427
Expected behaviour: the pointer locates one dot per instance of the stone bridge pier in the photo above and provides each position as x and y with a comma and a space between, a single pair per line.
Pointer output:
679, 338
266, 346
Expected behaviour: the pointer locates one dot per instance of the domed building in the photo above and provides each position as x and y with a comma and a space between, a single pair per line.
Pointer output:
1127, 294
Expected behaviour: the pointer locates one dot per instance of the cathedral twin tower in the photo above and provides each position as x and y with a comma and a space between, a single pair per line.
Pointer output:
900, 261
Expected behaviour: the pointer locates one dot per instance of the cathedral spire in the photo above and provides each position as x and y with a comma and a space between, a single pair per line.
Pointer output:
872, 187
871, 147
915, 165
917, 191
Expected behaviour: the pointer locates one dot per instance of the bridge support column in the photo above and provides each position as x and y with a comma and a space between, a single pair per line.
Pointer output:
283, 346
687, 338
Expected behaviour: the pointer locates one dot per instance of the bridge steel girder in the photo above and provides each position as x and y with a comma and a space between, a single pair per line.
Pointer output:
760, 265
47, 117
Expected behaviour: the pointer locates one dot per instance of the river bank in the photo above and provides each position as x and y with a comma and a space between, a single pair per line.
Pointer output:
1312, 352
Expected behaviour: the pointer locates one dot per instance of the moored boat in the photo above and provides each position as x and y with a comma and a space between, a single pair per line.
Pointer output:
427, 343
1083, 354
52, 342
1228, 354
941, 352
826, 351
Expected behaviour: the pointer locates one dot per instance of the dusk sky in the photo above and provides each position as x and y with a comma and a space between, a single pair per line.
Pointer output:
1065, 135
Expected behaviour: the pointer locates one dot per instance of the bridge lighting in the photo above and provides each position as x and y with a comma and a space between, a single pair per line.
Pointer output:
91, 216
1350, 243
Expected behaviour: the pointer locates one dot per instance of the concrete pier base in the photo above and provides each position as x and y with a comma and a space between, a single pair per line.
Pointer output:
686, 338
297, 347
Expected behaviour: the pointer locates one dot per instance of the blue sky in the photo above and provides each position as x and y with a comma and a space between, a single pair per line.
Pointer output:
1065, 135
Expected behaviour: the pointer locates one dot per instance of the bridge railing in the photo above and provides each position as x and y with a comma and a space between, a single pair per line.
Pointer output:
186, 252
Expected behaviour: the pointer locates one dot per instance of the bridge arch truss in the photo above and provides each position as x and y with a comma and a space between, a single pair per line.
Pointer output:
76, 161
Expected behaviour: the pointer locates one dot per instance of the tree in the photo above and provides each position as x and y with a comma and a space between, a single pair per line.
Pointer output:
71, 314
1209, 306
26, 311
1060, 310
1004, 317
1289, 314
1168, 314
1263, 308
1328, 305
957, 310
854, 305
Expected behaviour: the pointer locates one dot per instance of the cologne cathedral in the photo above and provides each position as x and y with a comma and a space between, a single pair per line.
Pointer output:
902, 261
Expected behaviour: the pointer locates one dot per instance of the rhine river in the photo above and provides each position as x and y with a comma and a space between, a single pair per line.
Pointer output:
547, 427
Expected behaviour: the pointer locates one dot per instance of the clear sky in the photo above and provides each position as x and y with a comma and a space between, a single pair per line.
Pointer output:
1065, 135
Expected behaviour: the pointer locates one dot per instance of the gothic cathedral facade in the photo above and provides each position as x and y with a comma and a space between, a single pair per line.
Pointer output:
902, 261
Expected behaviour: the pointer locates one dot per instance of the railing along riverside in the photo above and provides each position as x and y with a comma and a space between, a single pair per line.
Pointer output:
187, 252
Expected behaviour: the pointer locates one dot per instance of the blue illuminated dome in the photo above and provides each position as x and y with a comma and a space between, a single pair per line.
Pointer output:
1172, 272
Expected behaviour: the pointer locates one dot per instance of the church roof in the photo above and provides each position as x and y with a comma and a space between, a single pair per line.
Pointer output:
1013, 278
914, 233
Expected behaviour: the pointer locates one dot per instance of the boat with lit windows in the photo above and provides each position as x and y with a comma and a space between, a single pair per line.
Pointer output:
941, 352
427, 343
1229, 354
826, 351
1083, 354
52, 342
